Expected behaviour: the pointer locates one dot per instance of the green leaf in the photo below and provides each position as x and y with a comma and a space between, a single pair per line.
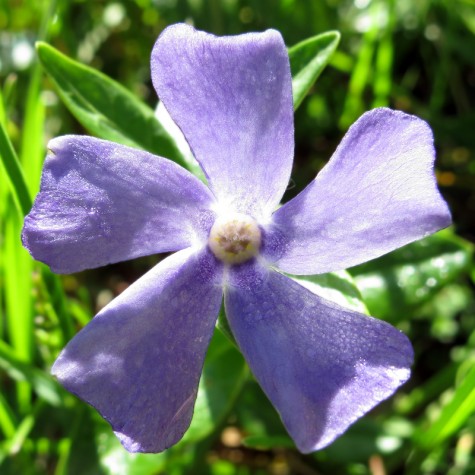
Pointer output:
105, 108
223, 378
338, 287
14, 172
409, 276
224, 375
115, 460
223, 326
255, 414
308, 59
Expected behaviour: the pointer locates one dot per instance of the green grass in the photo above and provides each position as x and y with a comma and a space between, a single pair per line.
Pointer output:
414, 56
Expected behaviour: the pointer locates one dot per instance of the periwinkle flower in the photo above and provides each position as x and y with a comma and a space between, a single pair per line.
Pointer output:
138, 362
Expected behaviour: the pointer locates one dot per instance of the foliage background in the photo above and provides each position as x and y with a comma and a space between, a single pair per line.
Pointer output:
413, 56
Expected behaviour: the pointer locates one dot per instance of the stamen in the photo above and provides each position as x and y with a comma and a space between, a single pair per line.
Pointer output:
235, 238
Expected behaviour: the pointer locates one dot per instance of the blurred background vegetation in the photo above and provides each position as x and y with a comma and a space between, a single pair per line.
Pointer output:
414, 56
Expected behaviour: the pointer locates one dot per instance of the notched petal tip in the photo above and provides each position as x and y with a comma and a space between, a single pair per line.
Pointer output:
322, 366
86, 213
372, 383
58, 144
240, 86
377, 193
138, 362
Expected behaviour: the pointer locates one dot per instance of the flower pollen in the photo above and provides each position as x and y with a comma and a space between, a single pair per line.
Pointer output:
235, 238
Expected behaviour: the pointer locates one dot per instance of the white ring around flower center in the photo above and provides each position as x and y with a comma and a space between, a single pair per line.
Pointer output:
235, 238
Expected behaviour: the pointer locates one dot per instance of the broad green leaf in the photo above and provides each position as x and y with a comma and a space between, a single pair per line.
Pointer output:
180, 141
14, 172
115, 460
223, 377
409, 276
452, 416
256, 416
223, 326
308, 59
106, 108
338, 287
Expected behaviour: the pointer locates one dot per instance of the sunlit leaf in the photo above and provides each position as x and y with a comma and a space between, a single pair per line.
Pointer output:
117, 461
18, 302
104, 107
308, 59
411, 275
224, 327
338, 287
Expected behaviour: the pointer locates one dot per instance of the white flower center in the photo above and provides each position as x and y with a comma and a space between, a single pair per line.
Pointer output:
235, 238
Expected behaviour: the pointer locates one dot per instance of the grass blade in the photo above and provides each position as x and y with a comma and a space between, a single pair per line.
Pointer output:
453, 415
43, 384
14, 171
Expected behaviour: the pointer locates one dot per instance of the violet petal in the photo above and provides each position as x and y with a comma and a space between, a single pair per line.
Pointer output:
377, 193
101, 202
232, 99
322, 366
138, 362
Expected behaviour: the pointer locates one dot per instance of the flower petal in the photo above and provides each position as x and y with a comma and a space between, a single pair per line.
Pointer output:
232, 98
322, 366
101, 202
377, 193
138, 362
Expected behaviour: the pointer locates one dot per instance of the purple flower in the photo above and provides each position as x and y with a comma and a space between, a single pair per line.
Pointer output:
139, 361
